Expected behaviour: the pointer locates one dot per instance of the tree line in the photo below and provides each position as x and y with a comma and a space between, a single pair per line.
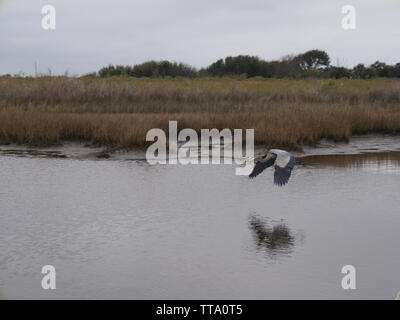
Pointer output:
311, 64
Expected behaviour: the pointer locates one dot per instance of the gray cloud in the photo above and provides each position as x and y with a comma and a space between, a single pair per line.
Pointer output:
94, 33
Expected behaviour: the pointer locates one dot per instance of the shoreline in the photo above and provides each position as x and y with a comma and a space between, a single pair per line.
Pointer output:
357, 145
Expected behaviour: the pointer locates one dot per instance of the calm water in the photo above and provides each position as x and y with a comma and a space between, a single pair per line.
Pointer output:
124, 229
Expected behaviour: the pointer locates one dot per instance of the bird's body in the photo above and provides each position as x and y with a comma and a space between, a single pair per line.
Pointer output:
283, 162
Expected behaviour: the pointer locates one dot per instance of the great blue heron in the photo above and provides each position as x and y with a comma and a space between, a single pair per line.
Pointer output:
283, 162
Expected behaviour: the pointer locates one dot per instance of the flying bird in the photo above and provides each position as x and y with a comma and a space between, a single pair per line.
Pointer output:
283, 162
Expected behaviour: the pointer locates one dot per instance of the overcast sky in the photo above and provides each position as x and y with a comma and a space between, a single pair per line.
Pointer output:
94, 33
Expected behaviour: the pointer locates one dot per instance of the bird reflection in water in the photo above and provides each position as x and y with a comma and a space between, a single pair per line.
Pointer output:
275, 240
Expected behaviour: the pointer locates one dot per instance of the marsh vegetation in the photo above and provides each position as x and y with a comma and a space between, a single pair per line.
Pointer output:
118, 111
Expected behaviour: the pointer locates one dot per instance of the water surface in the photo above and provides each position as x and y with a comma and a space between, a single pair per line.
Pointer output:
124, 229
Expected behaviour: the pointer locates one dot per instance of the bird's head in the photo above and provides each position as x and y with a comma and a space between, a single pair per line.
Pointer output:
269, 155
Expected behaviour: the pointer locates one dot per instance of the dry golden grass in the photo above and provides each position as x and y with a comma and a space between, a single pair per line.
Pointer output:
119, 112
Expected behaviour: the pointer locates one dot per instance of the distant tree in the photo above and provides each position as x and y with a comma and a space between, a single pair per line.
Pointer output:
380, 69
339, 72
111, 71
287, 66
311, 64
250, 66
360, 71
395, 73
163, 69
268, 69
253, 66
150, 69
314, 59
217, 68
146, 69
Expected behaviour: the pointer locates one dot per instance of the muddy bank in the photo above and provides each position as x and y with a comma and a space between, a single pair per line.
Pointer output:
358, 145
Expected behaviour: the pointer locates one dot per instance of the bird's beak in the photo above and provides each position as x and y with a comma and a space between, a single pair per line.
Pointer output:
248, 159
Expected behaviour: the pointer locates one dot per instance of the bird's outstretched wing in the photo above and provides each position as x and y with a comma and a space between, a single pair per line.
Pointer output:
282, 175
260, 166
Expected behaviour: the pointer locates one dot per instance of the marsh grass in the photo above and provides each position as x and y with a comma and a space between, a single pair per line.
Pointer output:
118, 112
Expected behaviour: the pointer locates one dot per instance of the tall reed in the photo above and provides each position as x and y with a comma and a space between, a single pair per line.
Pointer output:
119, 112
